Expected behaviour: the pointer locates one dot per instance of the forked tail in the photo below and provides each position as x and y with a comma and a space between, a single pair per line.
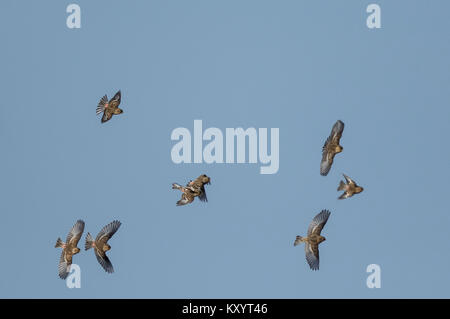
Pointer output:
89, 242
298, 240
177, 186
59, 243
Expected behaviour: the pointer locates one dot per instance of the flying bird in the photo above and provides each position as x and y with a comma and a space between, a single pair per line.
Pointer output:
109, 108
313, 239
100, 244
350, 188
199, 184
188, 194
331, 148
69, 248
193, 189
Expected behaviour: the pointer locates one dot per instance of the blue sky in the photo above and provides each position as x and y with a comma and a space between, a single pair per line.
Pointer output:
294, 65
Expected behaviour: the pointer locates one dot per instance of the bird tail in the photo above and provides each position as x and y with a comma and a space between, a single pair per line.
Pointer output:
102, 105
59, 243
182, 202
298, 240
341, 186
89, 241
176, 186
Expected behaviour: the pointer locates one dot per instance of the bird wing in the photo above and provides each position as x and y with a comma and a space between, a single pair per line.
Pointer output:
75, 233
64, 265
318, 222
344, 195
186, 198
115, 101
327, 158
327, 152
336, 131
349, 180
312, 255
108, 231
202, 195
104, 261
107, 115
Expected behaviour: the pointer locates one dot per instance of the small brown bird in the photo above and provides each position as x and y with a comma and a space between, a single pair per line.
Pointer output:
313, 239
199, 184
109, 108
69, 248
349, 189
331, 148
193, 189
101, 246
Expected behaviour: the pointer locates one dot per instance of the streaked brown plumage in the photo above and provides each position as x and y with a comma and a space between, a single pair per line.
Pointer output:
109, 108
69, 248
331, 148
100, 244
313, 239
350, 188
193, 189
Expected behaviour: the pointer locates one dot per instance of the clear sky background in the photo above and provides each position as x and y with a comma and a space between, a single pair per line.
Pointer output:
294, 65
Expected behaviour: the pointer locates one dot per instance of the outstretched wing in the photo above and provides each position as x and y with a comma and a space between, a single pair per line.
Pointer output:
186, 198
104, 261
108, 231
327, 159
328, 152
344, 195
336, 131
64, 266
75, 233
107, 115
202, 195
312, 255
349, 180
115, 101
318, 222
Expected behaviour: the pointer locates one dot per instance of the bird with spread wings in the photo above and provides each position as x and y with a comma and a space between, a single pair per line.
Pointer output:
193, 189
331, 148
350, 188
100, 244
313, 239
109, 108
69, 248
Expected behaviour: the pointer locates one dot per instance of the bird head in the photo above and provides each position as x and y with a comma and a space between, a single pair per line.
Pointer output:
75, 250
118, 111
322, 239
359, 189
205, 179
106, 247
339, 149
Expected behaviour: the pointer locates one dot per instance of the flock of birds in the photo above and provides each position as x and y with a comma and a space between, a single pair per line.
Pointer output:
100, 246
314, 238
195, 189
